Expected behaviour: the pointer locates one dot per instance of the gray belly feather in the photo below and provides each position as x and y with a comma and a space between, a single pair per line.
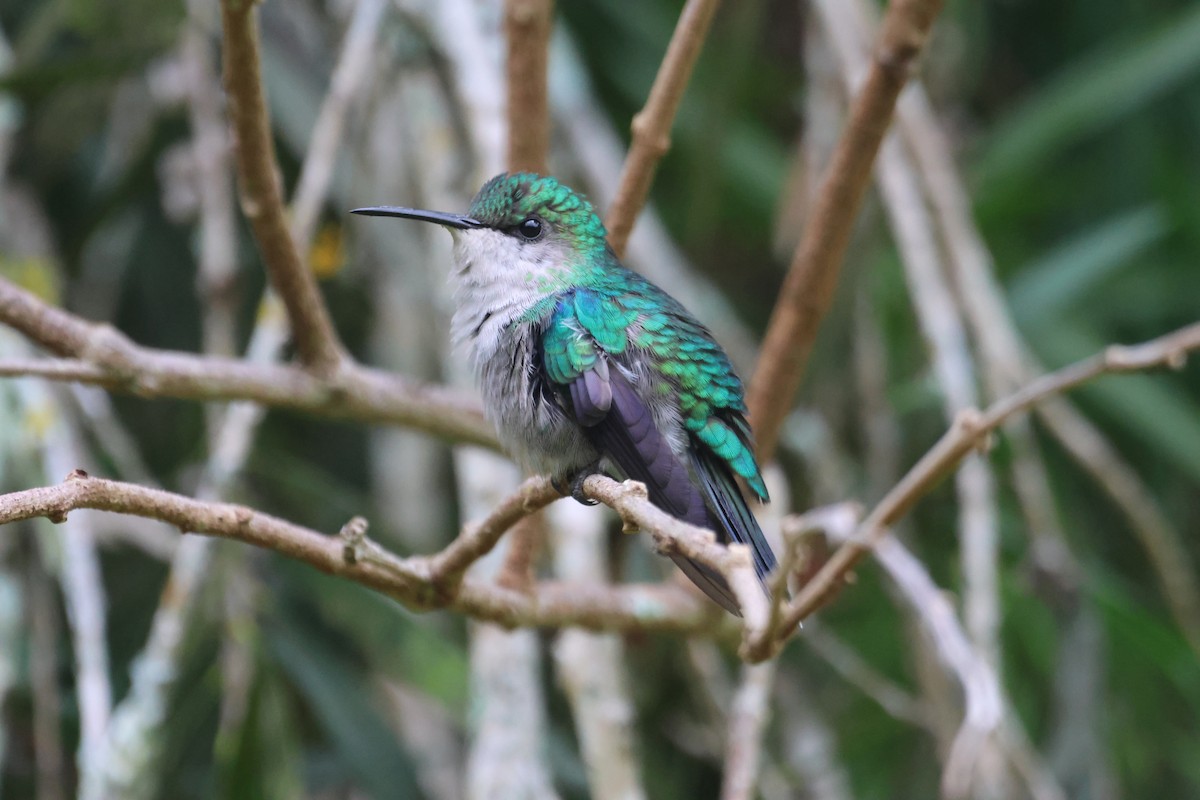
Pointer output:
531, 426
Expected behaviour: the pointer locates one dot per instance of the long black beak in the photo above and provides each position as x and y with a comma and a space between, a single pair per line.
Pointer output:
460, 221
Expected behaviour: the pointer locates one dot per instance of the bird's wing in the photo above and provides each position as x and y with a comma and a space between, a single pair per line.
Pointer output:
584, 332
712, 407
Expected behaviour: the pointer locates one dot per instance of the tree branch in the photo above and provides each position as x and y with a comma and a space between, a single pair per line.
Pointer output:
262, 195
970, 431
420, 582
652, 125
101, 355
527, 25
807, 291
674, 536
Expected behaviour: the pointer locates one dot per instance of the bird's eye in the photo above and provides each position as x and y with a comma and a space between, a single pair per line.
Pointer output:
530, 228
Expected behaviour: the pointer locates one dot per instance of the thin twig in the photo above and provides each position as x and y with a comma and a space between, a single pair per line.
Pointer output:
262, 195
652, 125
969, 431
807, 291
477, 540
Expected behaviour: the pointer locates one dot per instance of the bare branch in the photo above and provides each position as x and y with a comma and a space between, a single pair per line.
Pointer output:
103, 356
409, 581
970, 430
747, 722
807, 291
671, 535
49, 756
527, 24
652, 125
217, 260
262, 195
477, 540
1009, 364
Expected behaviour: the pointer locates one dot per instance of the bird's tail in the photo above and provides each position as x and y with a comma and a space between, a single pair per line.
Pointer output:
729, 512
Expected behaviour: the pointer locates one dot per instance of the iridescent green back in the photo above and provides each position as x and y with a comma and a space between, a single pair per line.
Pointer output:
623, 310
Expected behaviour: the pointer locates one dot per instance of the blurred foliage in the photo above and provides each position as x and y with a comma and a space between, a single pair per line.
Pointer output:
1077, 124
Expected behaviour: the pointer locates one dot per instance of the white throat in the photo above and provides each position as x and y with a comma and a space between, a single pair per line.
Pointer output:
497, 279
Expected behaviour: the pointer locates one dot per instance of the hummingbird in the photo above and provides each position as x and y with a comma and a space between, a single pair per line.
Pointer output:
586, 366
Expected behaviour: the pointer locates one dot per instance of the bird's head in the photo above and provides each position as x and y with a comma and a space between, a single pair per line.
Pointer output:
522, 228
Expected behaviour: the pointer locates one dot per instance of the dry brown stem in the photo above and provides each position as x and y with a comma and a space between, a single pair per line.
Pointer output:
527, 24
652, 125
970, 431
807, 291
262, 194
99, 354
419, 581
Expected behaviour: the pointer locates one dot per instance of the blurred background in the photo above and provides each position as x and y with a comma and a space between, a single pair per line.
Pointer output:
1069, 553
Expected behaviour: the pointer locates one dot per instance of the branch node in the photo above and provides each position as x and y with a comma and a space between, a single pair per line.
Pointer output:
77, 474
109, 348
352, 534
635, 489
971, 422
657, 142
1116, 357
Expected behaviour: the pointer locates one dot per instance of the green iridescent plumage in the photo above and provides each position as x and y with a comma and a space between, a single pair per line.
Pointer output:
625, 310
507, 199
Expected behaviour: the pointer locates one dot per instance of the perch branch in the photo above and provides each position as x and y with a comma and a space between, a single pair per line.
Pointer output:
412, 581
807, 291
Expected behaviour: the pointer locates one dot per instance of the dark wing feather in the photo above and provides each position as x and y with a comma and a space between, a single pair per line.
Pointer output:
628, 437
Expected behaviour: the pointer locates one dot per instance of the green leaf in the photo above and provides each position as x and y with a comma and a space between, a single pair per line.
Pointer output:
1063, 277
1093, 94
341, 702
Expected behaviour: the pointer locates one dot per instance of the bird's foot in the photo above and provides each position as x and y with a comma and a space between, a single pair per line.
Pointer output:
572, 484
